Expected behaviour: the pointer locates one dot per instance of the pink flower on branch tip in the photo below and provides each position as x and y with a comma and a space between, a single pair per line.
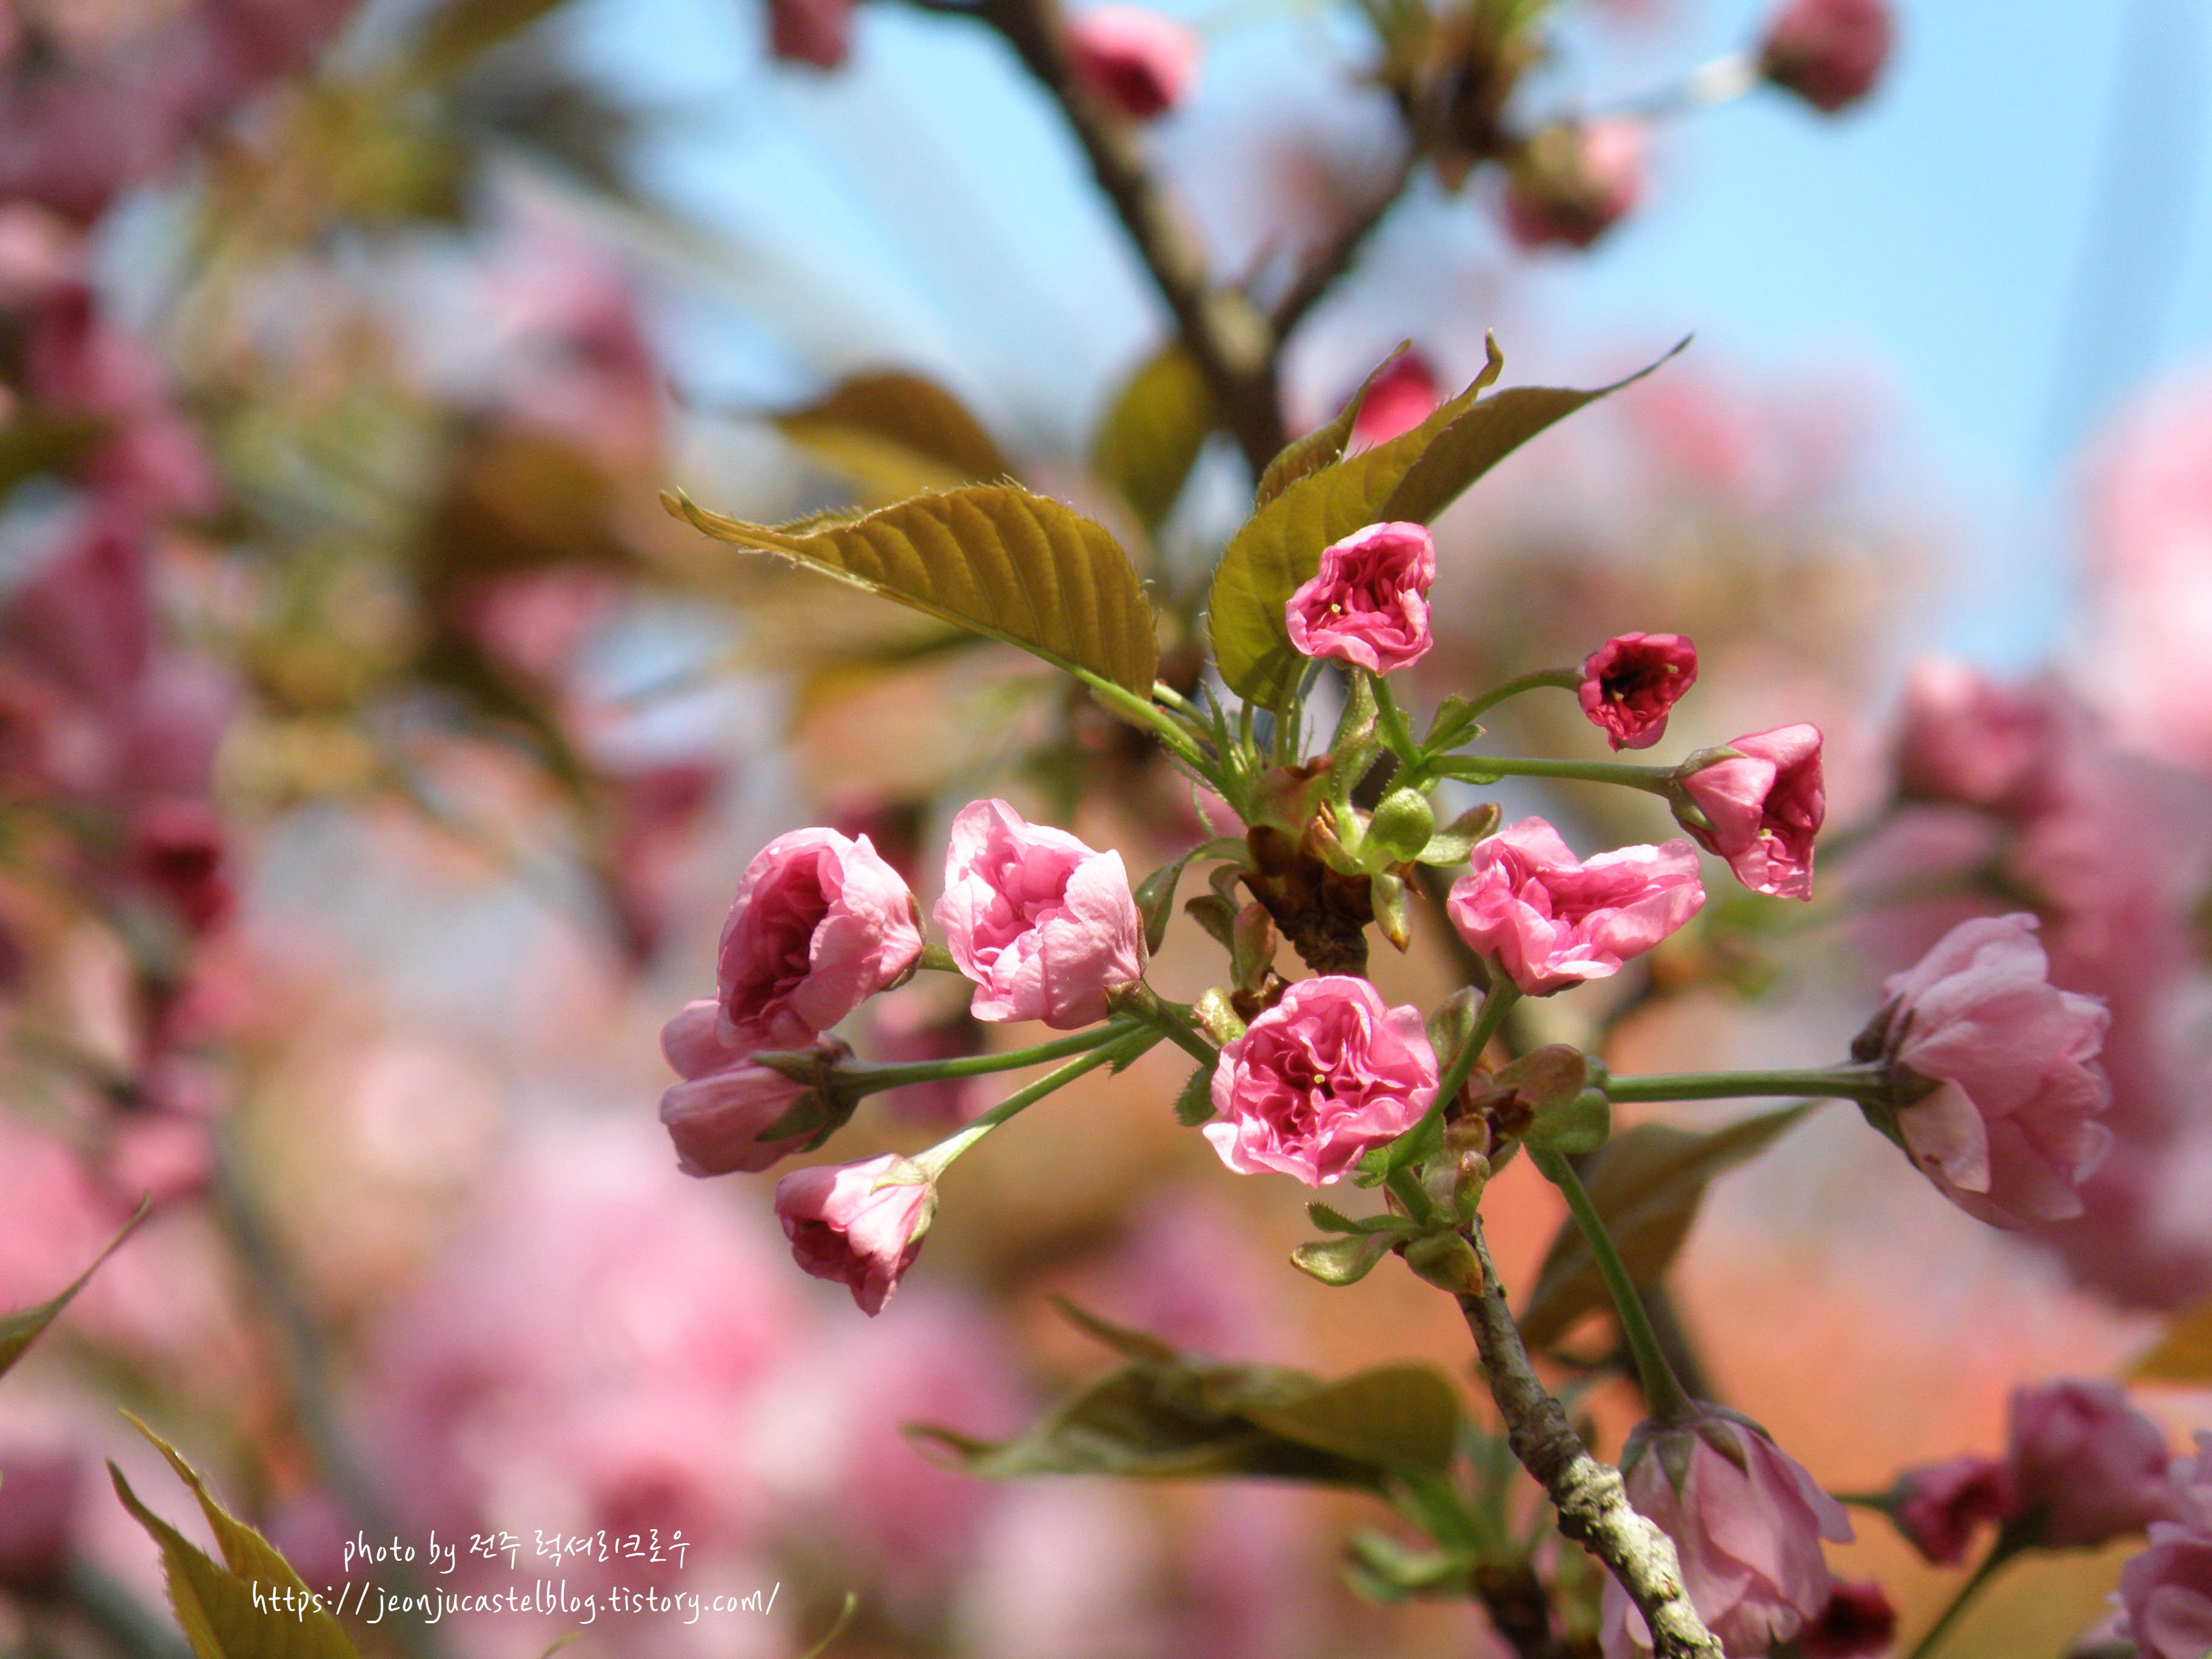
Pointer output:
1829, 52
1136, 62
1632, 682
1575, 181
1403, 395
1320, 1079
1999, 1071
1551, 920
1746, 1521
1761, 808
820, 924
715, 1115
1368, 604
1045, 925
1939, 1508
815, 32
859, 1223
2087, 1465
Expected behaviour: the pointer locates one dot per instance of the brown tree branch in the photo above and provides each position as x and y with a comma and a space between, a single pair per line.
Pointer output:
1593, 1505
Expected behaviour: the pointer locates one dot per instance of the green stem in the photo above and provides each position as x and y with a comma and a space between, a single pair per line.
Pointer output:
1862, 1082
939, 1158
1170, 1020
1662, 1391
855, 1079
1504, 993
936, 959
1488, 768
2000, 1553
1144, 713
1397, 735
1564, 679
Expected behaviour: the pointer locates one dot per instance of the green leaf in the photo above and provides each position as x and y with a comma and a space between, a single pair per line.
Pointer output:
996, 559
1194, 1105
1417, 1145
461, 31
1342, 1262
1451, 844
1323, 446
2183, 1355
234, 1610
20, 1329
1647, 1183
1139, 1345
1384, 1570
1414, 476
1572, 1127
1165, 1416
897, 434
1152, 435
1156, 893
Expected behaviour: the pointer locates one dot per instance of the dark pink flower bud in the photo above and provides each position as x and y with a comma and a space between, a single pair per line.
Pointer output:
176, 850
1133, 61
1368, 604
715, 1115
2087, 1466
1829, 52
38, 1494
817, 31
1630, 683
1573, 182
820, 924
1763, 809
1403, 395
1746, 1521
1550, 921
1939, 1508
1045, 925
1319, 1079
2006, 1132
859, 1223
1859, 1622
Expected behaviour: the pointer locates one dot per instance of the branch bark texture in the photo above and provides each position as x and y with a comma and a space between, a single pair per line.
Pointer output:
1593, 1504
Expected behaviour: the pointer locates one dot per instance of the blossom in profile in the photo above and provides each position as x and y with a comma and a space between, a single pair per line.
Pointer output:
1551, 920
1998, 1072
1941, 1507
819, 925
1327, 1074
1368, 604
1632, 682
860, 1224
1135, 61
716, 1113
1762, 807
1574, 181
1045, 925
1829, 52
2087, 1465
1746, 1521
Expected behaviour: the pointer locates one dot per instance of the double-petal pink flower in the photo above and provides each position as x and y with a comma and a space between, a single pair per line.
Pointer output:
1368, 604
1633, 682
716, 1113
860, 1224
1325, 1075
1045, 925
1762, 807
1550, 921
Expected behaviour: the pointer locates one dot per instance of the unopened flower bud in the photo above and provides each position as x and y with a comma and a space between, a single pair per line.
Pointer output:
1829, 52
1136, 62
1402, 824
1572, 182
859, 1223
1447, 1261
1393, 908
1252, 946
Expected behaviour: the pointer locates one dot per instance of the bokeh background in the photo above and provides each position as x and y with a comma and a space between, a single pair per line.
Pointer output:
377, 761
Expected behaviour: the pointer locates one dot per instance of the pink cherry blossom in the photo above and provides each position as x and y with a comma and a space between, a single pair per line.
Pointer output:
1829, 52
1325, 1075
2005, 1132
1136, 62
715, 1115
1941, 1506
1630, 683
1404, 394
1045, 925
1964, 737
2087, 1465
1574, 182
820, 924
1550, 921
1746, 1522
1368, 604
2166, 1592
39, 1523
1763, 809
859, 1223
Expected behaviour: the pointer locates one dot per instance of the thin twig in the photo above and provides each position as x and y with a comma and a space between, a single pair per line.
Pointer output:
1592, 1503
1337, 257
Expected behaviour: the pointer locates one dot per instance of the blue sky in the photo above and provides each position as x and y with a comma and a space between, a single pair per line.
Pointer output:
2015, 232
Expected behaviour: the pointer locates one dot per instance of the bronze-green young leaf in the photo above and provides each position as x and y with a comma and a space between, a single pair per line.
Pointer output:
895, 435
2183, 1355
1647, 1183
994, 559
1322, 447
1153, 431
20, 1329
1414, 476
